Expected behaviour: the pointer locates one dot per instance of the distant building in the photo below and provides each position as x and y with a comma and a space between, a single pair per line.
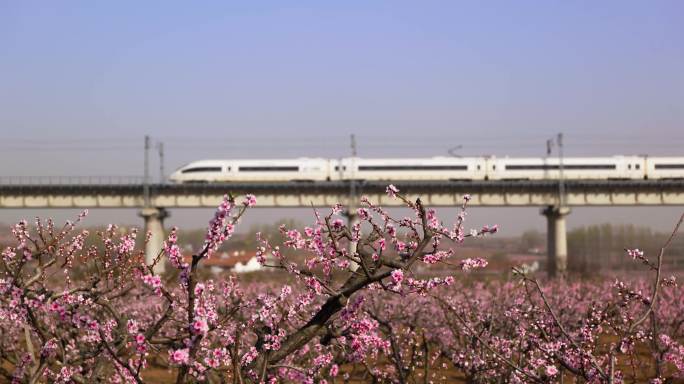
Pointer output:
238, 261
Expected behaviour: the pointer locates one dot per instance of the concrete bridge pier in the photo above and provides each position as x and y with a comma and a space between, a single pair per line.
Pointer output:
557, 243
352, 219
154, 223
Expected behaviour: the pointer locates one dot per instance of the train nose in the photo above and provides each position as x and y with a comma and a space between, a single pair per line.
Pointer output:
175, 176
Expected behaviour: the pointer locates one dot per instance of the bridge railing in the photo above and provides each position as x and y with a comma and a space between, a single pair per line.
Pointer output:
70, 180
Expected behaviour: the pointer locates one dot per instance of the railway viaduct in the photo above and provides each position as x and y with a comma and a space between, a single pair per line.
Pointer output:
153, 200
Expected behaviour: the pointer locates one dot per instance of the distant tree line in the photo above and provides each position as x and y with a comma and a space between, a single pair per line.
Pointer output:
602, 247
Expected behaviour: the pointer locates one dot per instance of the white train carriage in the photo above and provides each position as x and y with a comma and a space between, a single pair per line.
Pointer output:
664, 167
302, 169
435, 168
577, 168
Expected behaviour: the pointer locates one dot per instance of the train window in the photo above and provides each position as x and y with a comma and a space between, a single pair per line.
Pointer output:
637, 166
555, 166
629, 166
669, 166
269, 169
337, 168
493, 167
478, 167
590, 166
413, 167
201, 169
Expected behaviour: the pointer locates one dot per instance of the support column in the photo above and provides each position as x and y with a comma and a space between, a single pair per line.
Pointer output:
352, 219
557, 244
154, 223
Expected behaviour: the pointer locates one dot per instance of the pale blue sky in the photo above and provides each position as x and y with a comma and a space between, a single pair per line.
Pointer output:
81, 82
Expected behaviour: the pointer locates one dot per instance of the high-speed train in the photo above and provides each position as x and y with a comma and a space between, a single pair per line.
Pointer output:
434, 168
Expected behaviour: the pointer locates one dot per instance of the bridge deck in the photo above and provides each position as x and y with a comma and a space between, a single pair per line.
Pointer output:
298, 194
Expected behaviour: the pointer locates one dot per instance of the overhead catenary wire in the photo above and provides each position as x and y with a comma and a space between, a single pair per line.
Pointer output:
369, 143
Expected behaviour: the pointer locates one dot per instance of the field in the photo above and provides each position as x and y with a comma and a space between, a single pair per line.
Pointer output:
401, 306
